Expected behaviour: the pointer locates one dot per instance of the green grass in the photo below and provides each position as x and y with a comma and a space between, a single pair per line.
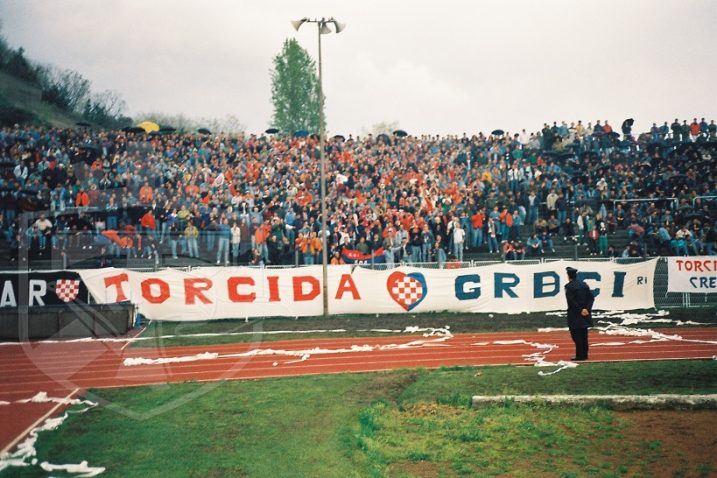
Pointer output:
401, 423
507, 441
26, 98
358, 325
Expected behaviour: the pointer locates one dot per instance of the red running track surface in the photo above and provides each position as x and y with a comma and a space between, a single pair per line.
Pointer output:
61, 369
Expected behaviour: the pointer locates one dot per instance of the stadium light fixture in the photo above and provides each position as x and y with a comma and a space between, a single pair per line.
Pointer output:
323, 29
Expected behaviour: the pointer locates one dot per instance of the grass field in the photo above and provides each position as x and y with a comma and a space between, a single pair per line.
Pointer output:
362, 325
397, 424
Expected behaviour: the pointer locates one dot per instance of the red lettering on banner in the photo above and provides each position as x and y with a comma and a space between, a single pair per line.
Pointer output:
233, 283
147, 291
117, 282
346, 284
194, 289
299, 294
697, 265
273, 288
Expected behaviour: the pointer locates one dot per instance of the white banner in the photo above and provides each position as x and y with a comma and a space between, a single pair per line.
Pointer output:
238, 292
692, 274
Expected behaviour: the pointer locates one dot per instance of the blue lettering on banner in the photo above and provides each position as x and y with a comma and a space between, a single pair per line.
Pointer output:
504, 282
704, 282
547, 284
619, 284
473, 290
591, 276
540, 284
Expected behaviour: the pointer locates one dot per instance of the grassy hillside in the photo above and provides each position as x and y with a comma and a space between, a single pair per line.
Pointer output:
20, 103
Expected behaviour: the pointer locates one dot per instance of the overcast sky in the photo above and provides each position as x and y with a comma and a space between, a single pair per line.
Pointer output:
432, 66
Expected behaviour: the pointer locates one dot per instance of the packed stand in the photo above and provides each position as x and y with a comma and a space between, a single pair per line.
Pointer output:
254, 200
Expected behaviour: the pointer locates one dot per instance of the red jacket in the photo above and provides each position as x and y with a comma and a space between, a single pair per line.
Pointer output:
82, 199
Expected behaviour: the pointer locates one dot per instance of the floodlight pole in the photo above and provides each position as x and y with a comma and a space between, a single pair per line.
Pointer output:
322, 164
322, 26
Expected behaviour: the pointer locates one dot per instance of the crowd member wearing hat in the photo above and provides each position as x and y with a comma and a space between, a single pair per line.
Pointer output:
580, 303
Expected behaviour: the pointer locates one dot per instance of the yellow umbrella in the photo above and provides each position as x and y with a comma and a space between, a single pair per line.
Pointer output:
148, 126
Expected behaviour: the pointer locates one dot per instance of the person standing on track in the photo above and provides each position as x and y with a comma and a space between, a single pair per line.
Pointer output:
580, 304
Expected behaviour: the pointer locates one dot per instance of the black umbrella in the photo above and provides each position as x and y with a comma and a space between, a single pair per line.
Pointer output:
302, 133
204, 131
133, 129
314, 136
272, 131
497, 132
383, 137
90, 147
83, 124
167, 129
400, 133
614, 135
341, 137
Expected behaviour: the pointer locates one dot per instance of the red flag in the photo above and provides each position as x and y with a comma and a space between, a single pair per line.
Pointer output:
148, 221
112, 235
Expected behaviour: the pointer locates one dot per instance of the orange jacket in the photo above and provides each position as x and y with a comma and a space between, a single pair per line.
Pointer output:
262, 233
145, 194
82, 199
315, 244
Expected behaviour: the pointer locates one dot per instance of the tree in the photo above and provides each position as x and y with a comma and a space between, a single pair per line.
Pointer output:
384, 127
295, 90
66, 89
106, 108
228, 124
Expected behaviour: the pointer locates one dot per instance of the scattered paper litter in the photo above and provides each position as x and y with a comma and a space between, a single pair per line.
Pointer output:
187, 358
82, 469
434, 337
26, 454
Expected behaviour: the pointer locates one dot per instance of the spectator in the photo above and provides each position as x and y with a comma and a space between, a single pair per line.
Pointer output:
235, 242
534, 246
191, 234
439, 254
459, 235
224, 234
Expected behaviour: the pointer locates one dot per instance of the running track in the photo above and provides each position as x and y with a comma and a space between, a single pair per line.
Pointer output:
66, 369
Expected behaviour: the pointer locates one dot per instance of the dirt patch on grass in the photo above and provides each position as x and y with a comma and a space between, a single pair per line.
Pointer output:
424, 469
685, 441
384, 386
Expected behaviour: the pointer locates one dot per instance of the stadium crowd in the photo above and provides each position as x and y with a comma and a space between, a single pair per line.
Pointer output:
254, 199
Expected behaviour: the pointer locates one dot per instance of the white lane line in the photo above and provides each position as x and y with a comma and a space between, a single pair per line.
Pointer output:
133, 338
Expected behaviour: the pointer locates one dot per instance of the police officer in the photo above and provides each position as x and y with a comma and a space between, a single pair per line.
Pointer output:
580, 303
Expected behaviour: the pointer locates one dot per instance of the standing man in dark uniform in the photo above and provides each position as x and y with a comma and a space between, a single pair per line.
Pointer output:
580, 304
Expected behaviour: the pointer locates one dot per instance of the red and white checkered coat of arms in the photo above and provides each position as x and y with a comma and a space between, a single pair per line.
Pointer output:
407, 290
67, 289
